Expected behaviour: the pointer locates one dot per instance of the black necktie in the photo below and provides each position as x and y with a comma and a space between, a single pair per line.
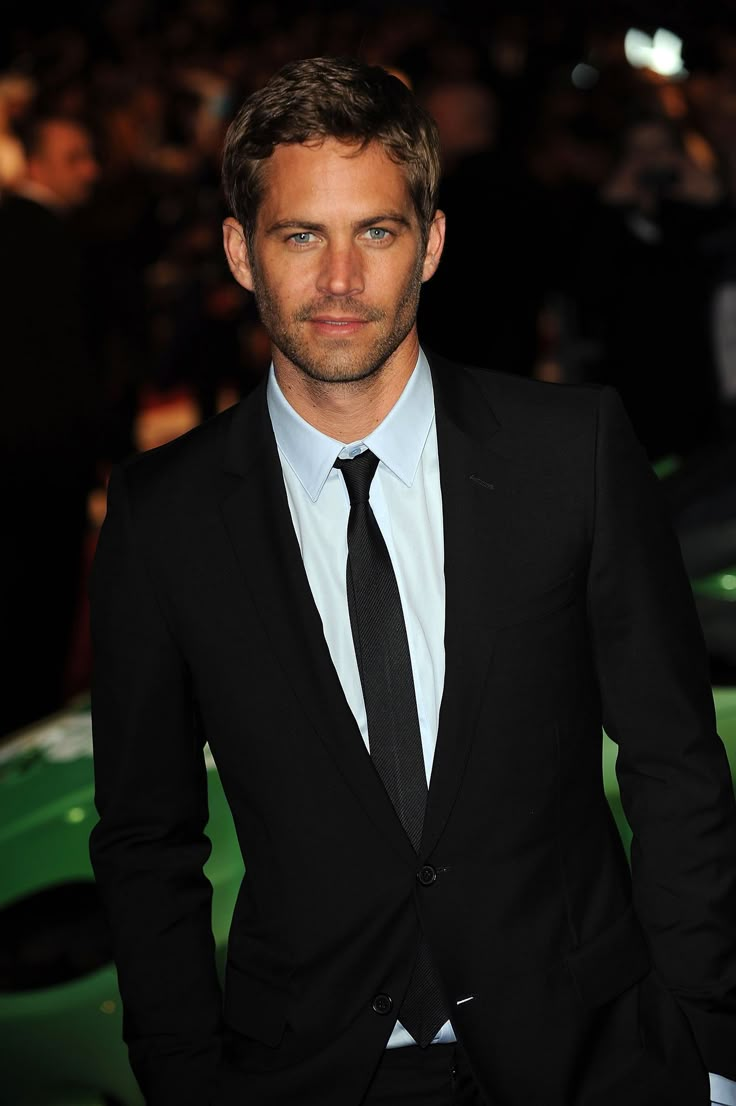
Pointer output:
384, 664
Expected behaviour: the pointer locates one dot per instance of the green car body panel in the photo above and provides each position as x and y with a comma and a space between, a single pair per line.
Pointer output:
62, 1045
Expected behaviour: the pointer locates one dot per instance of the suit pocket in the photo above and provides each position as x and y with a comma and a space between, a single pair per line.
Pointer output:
611, 962
254, 1008
555, 598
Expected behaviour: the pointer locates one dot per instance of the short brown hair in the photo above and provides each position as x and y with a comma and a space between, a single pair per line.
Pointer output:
342, 98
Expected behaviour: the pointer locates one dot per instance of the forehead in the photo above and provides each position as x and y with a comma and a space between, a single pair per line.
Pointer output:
329, 179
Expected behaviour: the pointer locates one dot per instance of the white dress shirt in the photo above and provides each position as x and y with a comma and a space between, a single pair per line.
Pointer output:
407, 503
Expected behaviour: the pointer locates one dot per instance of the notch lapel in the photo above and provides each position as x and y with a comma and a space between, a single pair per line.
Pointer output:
476, 501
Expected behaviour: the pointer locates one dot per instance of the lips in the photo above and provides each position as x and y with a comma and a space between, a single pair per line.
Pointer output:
336, 326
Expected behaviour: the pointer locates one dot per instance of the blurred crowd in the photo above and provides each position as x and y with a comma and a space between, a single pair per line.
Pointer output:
591, 208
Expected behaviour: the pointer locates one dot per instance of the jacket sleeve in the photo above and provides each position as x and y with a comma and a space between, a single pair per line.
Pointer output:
673, 772
148, 847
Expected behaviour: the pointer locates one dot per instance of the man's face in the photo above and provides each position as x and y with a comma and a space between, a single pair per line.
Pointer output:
338, 261
64, 162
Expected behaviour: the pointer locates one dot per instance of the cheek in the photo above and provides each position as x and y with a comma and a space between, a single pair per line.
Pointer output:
288, 297
286, 287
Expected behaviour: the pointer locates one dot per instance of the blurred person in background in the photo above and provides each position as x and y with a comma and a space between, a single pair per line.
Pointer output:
712, 96
48, 433
16, 97
121, 235
483, 304
645, 283
207, 336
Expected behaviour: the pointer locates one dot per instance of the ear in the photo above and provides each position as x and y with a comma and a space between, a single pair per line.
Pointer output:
435, 245
236, 251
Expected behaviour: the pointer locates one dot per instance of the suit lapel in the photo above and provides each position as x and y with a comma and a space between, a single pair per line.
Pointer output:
476, 501
258, 521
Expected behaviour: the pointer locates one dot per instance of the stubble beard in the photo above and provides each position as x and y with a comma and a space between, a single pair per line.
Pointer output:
341, 362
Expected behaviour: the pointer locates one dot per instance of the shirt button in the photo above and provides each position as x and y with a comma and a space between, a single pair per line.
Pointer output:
427, 875
382, 1004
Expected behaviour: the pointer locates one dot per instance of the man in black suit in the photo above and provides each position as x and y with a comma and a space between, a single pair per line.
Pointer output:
480, 939
47, 415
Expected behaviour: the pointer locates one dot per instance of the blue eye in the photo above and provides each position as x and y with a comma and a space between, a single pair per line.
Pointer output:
302, 237
378, 234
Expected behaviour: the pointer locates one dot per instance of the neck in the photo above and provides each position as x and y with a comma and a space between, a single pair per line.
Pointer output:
347, 412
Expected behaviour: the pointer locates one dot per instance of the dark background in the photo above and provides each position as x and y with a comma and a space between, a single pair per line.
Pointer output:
547, 271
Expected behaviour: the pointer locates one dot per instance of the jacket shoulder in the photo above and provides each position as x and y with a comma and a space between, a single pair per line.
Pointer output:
523, 406
510, 393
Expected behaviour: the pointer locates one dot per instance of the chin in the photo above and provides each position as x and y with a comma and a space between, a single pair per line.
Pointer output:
339, 375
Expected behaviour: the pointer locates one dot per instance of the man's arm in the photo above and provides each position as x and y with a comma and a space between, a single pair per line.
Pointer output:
149, 846
672, 767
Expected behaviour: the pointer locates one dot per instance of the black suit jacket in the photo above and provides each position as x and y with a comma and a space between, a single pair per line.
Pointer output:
48, 390
567, 608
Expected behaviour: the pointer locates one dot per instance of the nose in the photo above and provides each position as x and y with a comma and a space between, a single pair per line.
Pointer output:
341, 271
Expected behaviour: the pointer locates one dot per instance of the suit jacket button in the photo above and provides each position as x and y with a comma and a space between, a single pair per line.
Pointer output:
427, 875
382, 1004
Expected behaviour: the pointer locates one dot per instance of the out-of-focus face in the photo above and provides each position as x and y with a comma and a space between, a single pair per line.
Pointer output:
64, 162
651, 146
338, 261
467, 116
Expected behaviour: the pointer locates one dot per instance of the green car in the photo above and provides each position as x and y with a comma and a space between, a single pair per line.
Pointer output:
60, 1015
701, 494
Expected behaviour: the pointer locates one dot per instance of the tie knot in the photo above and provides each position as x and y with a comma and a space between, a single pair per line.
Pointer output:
358, 473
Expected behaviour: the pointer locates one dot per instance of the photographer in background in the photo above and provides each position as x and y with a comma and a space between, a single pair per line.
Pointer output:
645, 283
655, 169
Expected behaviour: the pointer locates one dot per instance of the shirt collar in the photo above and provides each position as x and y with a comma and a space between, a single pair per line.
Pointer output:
398, 441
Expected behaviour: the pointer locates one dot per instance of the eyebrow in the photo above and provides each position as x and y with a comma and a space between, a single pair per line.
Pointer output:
361, 224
